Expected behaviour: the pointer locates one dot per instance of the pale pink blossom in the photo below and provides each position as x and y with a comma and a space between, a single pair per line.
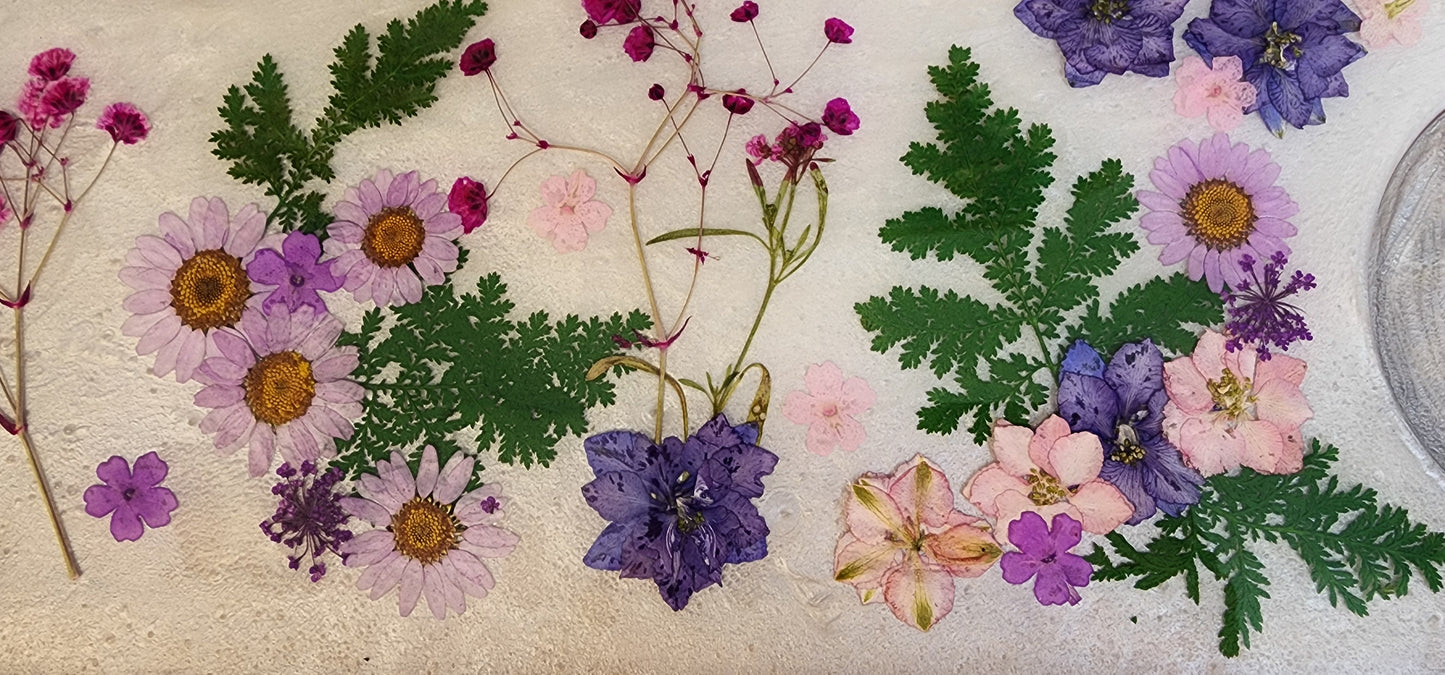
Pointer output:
569, 213
906, 542
1218, 93
1228, 409
1048, 471
1386, 21
828, 407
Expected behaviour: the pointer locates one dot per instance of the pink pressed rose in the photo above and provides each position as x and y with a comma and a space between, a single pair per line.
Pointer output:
828, 407
1228, 409
905, 542
1047, 471
1217, 93
569, 214
1386, 21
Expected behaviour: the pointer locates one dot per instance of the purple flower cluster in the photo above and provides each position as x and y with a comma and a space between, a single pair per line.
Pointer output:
309, 519
1259, 311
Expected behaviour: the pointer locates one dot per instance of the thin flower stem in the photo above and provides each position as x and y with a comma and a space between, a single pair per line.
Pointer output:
810, 67
20, 290
661, 391
766, 60
671, 136
71, 567
496, 187
642, 261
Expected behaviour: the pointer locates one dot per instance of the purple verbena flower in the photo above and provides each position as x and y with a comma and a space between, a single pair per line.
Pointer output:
124, 122
837, 31
309, 519
52, 64
1044, 556
1123, 404
129, 496
1258, 311
839, 118
478, 57
295, 273
1293, 53
1102, 37
679, 510
745, 12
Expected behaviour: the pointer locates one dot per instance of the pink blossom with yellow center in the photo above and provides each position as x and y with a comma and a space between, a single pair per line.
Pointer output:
1385, 21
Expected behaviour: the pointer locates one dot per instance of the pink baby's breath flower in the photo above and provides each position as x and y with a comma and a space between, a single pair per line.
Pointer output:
837, 31
52, 64
1218, 92
737, 104
839, 117
759, 149
639, 43
124, 122
63, 97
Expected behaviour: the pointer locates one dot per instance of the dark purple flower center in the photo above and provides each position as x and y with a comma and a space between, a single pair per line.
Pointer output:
297, 280
1281, 48
1049, 559
1109, 11
128, 494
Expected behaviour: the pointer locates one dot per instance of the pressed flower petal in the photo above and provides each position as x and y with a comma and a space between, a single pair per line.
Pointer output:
411, 584
454, 477
367, 510
1076, 458
922, 492
963, 550
125, 523
919, 595
864, 564
1102, 507
100, 500
426, 473
491, 542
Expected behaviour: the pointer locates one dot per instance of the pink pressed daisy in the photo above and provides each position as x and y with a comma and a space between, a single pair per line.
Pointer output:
190, 282
280, 385
1216, 204
393, 236
431, 538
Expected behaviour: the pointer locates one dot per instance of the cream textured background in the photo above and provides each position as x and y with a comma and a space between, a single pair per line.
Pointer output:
210, 594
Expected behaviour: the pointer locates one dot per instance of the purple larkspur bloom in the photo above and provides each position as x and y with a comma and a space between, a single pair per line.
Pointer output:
1293, 53
309, 519
1102, 37
296, 274
1123, 404
1044, 556
1258, 310
128, 496
679, 510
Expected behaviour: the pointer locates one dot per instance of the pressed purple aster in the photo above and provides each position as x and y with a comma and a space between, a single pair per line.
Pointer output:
1044, 556
1293, 53
1258, 311
1123, 404
679, 510
295, 274
309, 519
1103, 37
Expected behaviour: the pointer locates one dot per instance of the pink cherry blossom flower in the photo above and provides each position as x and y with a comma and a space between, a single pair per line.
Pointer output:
1228, 409
569, 213
1218, 93
828, 407
1386, 21
906, 542
1047, 471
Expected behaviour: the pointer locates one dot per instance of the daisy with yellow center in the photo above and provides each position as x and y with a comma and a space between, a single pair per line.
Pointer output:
392, 237
280, 384
430, 538
1216, 203
190, 282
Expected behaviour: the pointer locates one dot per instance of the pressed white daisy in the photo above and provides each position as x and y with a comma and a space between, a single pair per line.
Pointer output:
190, 282
280, 384
392, 237
431, 538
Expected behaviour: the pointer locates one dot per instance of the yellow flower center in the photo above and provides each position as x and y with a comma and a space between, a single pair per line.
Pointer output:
1231, 396
1396, 8
279, 388
393, 237
1218, 213
210, 290
1128, 452
1045, 489
424, 530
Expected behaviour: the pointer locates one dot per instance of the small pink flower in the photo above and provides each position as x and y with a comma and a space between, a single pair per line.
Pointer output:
1228, 409
468, 199
478, 58
1048, 471
1386, 21
737, 105
52, 64
1218, 93
569, 214
837, 31
63, 97
828, 407
639, 43
124, 122
839, 117
745, 12
759, 149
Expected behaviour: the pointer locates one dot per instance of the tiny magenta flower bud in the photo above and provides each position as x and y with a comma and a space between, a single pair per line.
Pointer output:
746, 12
478, 58
588, 30
9, 127
837, 31
656, 92
639, 43
736, 104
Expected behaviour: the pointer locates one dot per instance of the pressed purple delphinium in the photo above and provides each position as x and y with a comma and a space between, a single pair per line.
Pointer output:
1258, 311
309, 518
1293, 53
1123, 404
679, 510
1102, 37
296, 273
128, 495
1044, 556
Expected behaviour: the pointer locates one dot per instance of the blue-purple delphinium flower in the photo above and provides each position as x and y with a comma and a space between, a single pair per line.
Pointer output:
1099, 37
1123, 404
1043, 555
309, 518
1258, 311
296, 273
679, 510
1292, 51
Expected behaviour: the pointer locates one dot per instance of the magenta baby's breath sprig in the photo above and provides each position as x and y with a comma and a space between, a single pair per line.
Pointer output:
39, 179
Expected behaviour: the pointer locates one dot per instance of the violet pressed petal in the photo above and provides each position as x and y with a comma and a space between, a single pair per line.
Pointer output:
115, 472
1136, 374
101, 500
125, 524
154, 505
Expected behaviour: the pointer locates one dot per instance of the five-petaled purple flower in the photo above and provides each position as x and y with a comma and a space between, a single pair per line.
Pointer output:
1102, 37
1258, 311
309, 519
1292, 52
295, 273
131, 496
1123, 404
1045, 554
679, 510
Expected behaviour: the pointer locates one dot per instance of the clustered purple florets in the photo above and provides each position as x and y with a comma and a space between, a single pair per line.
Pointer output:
1258, 311
309, 519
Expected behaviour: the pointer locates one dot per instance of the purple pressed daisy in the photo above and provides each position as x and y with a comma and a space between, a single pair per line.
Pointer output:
1044, 556
128, 496
430, 537
393, 235
190, 282
294, 275
309, 519
1103, 37
1216, 203
280, 385
1258, 310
